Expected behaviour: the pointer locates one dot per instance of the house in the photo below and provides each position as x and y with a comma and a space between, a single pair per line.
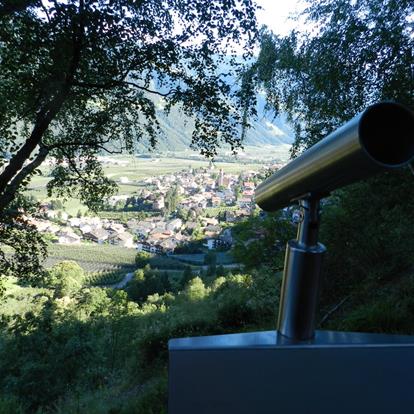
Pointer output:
212, 231
214, 243
157, 237
226, 236
123, 180
190, 226
210, 244
245, 202
209, 221
149, 248
159, 204
115, 228
168, 245
143, 228
215, 201
85, 228
41, 225
97, 235
52, 214
53, 228
74, 222
124, 239
229, 216
174, 225
67, 236
249, 185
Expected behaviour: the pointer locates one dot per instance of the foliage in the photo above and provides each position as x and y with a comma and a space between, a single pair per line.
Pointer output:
122, 216
195, 289
100, 352
171, 200
186, 277
367, 231
66, 277
210, 258
262, 240
361, 53
26, 247
142, 259
148, 282
79, 78
93, 257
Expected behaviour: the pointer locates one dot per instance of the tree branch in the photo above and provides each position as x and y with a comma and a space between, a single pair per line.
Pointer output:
114, 83
9, 193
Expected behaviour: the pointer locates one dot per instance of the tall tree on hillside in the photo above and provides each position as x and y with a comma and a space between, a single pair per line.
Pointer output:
80, 78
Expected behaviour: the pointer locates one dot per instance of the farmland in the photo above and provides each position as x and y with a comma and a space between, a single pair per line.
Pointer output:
92, 257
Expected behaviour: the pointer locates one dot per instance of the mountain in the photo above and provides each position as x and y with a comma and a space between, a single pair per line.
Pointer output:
177, 129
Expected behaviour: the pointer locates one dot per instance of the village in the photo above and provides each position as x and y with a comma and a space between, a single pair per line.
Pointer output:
176, 210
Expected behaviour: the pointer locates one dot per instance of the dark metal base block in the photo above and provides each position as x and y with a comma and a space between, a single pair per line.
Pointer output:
264, 373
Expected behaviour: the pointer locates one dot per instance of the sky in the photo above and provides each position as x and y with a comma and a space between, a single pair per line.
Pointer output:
275, 14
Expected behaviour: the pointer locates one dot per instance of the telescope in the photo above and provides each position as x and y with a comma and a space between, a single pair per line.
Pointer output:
378, 139
297, 369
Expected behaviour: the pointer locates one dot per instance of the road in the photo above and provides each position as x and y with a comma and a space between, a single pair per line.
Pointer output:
127, 278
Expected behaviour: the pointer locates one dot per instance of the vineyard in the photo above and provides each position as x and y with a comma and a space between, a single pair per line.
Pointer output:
107, 277
93, 258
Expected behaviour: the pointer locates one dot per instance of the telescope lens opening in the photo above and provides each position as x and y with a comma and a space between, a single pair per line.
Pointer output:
387, 133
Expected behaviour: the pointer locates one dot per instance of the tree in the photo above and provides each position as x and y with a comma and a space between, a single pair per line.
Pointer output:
361, 52
171, 200
82, 77
195, 289
186, 277
142, 259
66, 277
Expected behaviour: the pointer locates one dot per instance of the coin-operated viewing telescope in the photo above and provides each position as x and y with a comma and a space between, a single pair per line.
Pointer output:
379, 138
296, 369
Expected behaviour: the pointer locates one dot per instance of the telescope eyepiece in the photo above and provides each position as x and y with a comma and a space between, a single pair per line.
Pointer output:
386, 133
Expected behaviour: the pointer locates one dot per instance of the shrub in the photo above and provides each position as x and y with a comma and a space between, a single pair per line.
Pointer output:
195, 289
142, 259
66, 277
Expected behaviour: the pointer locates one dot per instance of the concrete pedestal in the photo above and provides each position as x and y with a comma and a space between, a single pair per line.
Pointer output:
263, 373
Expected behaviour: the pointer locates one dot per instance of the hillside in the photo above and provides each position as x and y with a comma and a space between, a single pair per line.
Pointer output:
177, 129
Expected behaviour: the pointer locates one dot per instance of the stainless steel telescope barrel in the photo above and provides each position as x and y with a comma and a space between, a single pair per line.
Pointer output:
379, 138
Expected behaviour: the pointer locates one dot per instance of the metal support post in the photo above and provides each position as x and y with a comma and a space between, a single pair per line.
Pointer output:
301, 277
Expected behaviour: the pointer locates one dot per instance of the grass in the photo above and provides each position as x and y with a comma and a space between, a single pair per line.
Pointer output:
21, 299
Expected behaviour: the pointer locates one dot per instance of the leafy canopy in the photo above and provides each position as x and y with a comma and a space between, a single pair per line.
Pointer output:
358, 52
80, 78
